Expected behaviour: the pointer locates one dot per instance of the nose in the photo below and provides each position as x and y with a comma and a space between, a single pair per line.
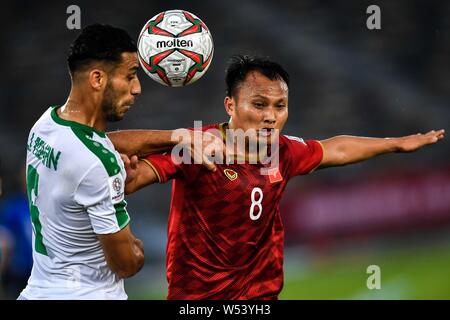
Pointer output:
136, 87
270, 116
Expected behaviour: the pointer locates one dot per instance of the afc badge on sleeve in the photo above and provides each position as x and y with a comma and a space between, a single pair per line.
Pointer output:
116, 188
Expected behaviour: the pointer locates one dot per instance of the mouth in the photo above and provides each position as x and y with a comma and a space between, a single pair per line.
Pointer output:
128, 106
266, 132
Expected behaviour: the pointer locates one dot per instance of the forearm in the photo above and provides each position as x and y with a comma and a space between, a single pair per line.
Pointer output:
142, 142
124, 253
135, 262
342, 150
142, 176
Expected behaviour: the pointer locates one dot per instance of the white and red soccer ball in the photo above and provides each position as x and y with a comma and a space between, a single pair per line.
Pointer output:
175, 48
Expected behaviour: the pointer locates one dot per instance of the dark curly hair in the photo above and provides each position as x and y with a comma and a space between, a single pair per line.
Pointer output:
99, 42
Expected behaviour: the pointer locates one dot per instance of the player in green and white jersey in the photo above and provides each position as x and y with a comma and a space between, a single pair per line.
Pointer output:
76, 192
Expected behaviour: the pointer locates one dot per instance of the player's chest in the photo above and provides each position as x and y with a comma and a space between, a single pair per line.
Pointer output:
243, 179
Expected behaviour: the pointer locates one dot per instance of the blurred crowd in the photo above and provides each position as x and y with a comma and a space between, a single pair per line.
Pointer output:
15, 240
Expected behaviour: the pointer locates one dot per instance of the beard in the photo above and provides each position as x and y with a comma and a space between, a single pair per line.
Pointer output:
108, 104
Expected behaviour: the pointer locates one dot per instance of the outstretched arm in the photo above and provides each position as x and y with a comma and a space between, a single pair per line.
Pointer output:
142, 142
343, 150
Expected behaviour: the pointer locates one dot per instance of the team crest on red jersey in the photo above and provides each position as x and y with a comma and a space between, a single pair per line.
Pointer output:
231, 174
274, 175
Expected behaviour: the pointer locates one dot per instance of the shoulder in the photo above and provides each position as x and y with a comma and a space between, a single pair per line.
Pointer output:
294, 141
100, 153
44, 120
287, 139
214, 126
81, 152
288, 142
208, 127
293, 145
205, 127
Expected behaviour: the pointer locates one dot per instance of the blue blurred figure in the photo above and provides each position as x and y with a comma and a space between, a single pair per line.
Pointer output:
15, 219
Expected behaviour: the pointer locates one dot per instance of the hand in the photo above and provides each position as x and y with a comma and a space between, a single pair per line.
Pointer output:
139, 245
416, 141
201, 146
210, 147
138, 249
130, 167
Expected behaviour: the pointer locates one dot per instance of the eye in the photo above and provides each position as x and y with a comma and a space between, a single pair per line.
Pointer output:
131, 76
258, 104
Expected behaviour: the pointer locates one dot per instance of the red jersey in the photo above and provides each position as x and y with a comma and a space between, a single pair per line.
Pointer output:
225, 235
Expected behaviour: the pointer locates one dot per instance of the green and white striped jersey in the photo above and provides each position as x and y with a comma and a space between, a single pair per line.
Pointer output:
75, 181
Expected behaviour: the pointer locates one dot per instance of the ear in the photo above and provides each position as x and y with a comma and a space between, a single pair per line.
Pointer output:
97, 79
229, 105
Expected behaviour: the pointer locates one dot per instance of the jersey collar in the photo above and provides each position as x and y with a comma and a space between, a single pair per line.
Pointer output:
73, 124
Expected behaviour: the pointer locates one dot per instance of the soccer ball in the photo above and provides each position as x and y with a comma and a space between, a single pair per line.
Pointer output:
175, 48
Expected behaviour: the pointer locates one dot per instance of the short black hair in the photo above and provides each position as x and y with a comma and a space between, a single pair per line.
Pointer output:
240, 65
98, 42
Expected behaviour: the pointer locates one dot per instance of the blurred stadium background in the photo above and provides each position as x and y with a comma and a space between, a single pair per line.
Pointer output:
393, 211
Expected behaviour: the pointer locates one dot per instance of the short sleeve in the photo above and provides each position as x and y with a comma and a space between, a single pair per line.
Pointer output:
305, 156
163, 166
104, 199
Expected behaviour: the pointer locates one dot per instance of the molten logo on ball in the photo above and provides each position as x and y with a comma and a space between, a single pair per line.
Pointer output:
175, 48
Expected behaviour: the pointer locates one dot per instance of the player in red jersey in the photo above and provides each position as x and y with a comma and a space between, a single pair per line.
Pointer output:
225, 235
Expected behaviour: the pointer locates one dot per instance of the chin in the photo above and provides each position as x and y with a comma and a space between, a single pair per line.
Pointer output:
115, 117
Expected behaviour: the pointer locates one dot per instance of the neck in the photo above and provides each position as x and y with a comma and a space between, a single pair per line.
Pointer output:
230, 124
241, 149
83, 108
